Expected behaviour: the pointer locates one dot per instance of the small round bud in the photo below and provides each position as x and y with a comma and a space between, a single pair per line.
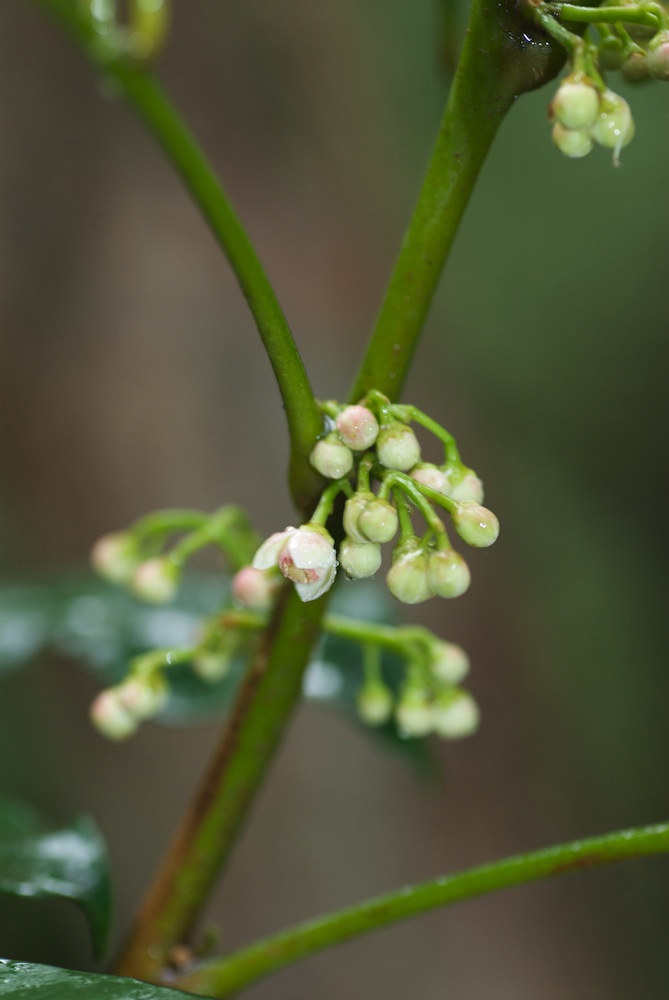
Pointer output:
448, 662
156, 581
414, 713
353, 508
359, 560
358, 427
429, 475
397, 447
331, 457
455, 714
572, 142
614, 127
375, 703
111, 718
255, 588
448, 573
143, 697
636, 67
212, 666
658, 56
610, 53
465, 485
407, 578
476, 525
115, 558
576, 104
378, 521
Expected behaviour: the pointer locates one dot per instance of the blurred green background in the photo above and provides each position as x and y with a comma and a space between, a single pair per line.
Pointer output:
131, 378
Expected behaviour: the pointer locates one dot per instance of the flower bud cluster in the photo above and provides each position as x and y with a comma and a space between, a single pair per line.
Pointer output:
585, 113
117, 711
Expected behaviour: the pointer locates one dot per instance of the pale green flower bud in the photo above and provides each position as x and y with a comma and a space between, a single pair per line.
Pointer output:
455, 714
636, 67
331, 457
143, 697
115, 557
448, 573
407, 579
610, 53
353, 508
658, 56
448, 662
614, 127
378, 521
359, 560
375, 703
156, 581
358, 427
397, 447
465, 485
572, 142
111, 717
576, 104
414, 714
476, 525
212, 665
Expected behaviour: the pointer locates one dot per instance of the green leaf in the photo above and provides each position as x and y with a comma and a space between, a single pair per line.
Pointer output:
26, 981
68, 863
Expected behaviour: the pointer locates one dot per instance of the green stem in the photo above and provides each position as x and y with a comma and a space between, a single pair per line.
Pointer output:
157, 113
483, 90
605, 15
225, 977
203, 844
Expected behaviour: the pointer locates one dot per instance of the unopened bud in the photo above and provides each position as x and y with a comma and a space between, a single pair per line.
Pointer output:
397, 447
414, 713
255, 588
111, 718
143, 697
465, 484
448, 662
378, 521
614, 127
476, 525
658, 56
610, 53
407, 578
115, 558
156, 581
455, 714
576, 104
359, 560
636, 67
212, 666
331, 457
574, 143
429, 475
375, 702
358, 427
448, 573
353, 508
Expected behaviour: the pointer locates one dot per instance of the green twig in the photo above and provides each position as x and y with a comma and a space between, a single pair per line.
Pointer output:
153, 107
225, 977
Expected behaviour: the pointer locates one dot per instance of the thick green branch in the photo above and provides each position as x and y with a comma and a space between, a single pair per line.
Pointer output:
203, 844
150, 103
228, 976
503, 56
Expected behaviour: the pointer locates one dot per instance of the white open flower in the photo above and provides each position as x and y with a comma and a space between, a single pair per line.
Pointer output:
304, 555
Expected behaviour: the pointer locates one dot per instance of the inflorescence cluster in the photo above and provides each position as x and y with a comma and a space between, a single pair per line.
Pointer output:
618, 35
371, 456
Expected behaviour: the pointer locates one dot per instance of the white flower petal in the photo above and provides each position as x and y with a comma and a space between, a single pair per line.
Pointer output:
268, 553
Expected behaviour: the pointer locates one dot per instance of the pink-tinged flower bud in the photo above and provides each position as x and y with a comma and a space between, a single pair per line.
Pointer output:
476, 525
574, 143
614, 127
143, 697
465, 485
448, 573
455, 714
407, 578
331, 457
379, 521
115, 557
658, 56
397, 447
375, 703
353, 508
448, 662
414, 713
576, 104
255, 588
359, 560
304, 555
111, 718
429, 475
358, 427
156, 581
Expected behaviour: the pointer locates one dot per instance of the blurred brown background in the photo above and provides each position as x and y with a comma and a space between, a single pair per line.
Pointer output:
131, 377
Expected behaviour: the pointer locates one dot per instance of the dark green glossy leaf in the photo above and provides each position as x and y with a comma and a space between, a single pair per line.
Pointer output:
69, 863
25, 981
